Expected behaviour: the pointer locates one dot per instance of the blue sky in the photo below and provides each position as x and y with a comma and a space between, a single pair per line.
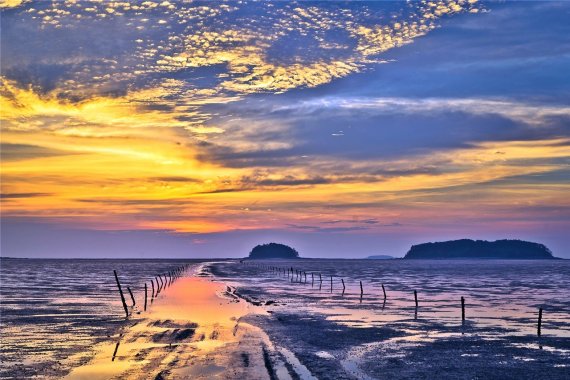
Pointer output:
345, 129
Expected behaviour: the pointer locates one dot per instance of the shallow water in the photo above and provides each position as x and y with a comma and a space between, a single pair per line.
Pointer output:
497, 293
51, 309
188, 323
337, 332
54, 309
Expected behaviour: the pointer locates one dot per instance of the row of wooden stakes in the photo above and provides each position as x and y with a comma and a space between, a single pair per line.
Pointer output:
297, 275
162, 280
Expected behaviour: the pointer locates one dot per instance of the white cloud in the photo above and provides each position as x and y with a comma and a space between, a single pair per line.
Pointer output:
525, 112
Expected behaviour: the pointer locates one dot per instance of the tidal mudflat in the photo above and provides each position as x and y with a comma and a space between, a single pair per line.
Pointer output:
338, 333
261, 320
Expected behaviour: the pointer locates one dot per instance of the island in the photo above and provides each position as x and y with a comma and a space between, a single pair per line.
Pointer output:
480, 249
273, 251
380, 257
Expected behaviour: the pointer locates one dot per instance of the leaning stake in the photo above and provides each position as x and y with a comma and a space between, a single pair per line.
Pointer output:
132, 297
121, 292
159, 283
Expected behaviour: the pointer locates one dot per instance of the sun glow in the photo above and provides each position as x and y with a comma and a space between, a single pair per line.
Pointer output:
188, 133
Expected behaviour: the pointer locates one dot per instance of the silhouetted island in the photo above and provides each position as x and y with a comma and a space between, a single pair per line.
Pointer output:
273, 251
480, 249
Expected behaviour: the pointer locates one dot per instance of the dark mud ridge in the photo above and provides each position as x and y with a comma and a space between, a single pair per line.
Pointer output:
480, 249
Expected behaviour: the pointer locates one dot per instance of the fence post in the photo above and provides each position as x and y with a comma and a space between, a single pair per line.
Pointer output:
121, 292
539, 326
145, 296
132, 297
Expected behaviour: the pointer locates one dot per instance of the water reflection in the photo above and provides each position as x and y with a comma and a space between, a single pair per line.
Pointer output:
52, 309
501, 294
189, 320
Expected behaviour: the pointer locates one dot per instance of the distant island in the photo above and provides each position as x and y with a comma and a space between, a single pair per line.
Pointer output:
480, 249
380, 257
273, 251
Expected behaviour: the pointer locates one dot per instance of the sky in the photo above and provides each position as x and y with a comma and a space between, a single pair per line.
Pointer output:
344, 129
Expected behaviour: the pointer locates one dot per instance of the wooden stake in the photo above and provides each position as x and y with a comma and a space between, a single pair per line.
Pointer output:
416, 298
361, 290
539, 326
384, 291
152, 284
462, 309
115, 352
121, 292
132, 297
331, 284
145, 296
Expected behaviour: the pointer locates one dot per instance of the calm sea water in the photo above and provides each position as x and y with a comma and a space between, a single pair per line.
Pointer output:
51, 309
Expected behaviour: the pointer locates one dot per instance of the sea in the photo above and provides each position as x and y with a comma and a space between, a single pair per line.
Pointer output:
52, 310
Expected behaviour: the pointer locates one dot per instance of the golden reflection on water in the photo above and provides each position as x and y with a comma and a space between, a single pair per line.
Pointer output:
195, 299
190, 304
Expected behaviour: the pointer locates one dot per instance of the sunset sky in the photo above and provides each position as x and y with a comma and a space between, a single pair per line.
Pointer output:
345, 129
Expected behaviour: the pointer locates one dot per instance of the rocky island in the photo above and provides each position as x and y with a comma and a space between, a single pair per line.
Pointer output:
273, 251
480, 249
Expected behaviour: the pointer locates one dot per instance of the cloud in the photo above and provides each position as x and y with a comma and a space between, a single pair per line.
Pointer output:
194, 117
287, 46
23, 195
175, 179
527, 113
364, 221
327, 229
382, 137
15, 152
6, 4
